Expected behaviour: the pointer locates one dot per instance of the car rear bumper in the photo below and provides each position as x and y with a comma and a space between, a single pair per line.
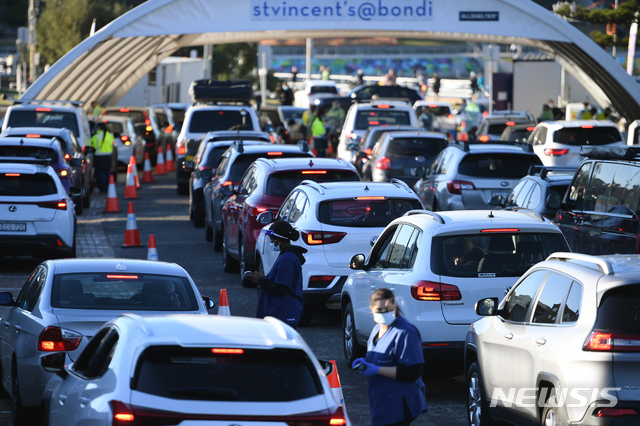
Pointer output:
329, 297
33, 245
452, 351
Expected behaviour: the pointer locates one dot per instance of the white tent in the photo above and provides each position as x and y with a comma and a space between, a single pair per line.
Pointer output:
106, 65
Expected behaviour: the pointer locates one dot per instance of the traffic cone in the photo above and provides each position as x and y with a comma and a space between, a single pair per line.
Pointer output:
130, 191
112, 205
132, 161
223, 307
334, 383
131, 235
152, 253
147, 174
169, 165
160, 170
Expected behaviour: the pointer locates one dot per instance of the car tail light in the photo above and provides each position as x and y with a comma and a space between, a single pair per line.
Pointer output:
227, 351
227, 183
314, 238
485, 114
314, 172
168, 129
587, 126
124, 109
43, 109
273, 140
274, 153
511, 123
59, 205
368, 151
124, 138
67, 157
12, 174
612, 342
616, 412
149, 128
32, 135
383, 163
432, 291
484, 138
456, 186
56, 339
530, 129
450, 116
383, 106
325, 279
549, 151
180, 148
63, 174
256, 209
464, 137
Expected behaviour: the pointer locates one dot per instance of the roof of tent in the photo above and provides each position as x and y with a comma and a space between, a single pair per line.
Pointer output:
106, 65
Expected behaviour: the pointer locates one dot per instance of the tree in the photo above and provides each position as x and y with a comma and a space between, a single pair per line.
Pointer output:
236, 60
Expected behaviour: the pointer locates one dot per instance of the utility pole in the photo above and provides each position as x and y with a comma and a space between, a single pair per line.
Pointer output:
33, 23
613, 50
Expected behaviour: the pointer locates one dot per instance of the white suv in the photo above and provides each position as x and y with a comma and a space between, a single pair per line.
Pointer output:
335, 220
563, 347
364, 115
558, 143
36, 214
438, 265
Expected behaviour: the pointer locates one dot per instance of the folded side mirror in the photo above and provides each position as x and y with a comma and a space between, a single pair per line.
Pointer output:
554, 201
76, 162
75, 191
208, 302
227, 190
487, 307
265, 218
357, 262
206, 174
6, 299
189, 165
54, 363
496, 200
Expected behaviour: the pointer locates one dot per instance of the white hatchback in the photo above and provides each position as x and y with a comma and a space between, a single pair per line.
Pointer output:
195, 370
335, 220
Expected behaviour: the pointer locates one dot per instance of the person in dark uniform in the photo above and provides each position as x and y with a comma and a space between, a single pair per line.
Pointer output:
393, 365
281, 289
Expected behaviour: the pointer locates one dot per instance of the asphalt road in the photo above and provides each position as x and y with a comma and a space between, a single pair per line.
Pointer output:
160, 211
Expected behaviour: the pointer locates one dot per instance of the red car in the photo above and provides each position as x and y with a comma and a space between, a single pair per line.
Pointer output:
264, 186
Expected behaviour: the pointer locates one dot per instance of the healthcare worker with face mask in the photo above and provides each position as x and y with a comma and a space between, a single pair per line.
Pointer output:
393, 365
281, 289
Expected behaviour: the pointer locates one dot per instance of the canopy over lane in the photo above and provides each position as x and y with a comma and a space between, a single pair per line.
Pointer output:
105, 66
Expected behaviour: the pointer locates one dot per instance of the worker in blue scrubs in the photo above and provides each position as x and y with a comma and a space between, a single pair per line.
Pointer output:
281, 289
393, 365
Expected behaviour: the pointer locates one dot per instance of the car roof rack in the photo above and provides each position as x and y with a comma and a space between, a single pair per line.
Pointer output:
313, 184
46, 101
527, 211
603, 264
543, 171
401, 184
435, 216
611, 153
238, 145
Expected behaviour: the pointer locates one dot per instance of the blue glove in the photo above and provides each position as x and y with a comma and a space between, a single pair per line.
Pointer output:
371, 369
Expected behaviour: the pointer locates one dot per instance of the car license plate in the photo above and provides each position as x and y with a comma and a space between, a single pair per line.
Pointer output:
503, 194
13, 227
188, 158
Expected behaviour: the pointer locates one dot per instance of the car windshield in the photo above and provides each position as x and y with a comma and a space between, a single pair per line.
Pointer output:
123, 291
215, 120
427, 147
280, 184
243, 375
381, 117
619, 311
494, 254
44, 117
323, 89
26, 185
364, 211
497, 165
31, 154
242, 162
587, 135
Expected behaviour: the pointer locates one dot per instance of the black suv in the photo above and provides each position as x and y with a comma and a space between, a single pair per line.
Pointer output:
369, 140
599, 213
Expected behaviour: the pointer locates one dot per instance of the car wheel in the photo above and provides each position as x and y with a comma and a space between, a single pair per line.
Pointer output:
183, 188
198, 216
307, 315
217, 239
352, 349
434, 208
245, 265
477, 411
229, 263
3, 392
22, 416
551, 415
86, 200
79, 206
208, 231
191, 211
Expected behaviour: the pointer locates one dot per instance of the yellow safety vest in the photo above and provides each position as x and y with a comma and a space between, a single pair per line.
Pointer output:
103, 144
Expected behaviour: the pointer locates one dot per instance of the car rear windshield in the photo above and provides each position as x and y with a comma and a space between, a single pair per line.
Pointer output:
427, 147
520, 135
497, 165
244, 375
138, 117
115, 128
323, 89
178, 115
54, 119
214, 120
492, 254
438, 111
242, 162
22, 185
292, 114
213, 157
619, 310
497, 129
587, 136
364, 212
280, 184
118, 291
381, 117
30, 153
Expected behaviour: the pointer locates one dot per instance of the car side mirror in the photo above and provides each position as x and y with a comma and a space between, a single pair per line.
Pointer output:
496, 200
6, 299
227, 190
357, 262
54, 363
75, 162
189, 165
86, 150
206, 174
265, 218
76, 191
327, 366
268, 128
554, 201
208, 302
487, 307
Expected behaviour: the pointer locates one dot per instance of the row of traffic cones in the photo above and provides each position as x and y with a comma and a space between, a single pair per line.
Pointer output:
132, 236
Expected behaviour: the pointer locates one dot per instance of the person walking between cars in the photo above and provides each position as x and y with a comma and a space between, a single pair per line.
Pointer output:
393, 365
320, 141
435, 86
102, 142
281, 289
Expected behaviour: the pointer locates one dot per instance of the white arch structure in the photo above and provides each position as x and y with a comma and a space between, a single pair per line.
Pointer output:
106, 65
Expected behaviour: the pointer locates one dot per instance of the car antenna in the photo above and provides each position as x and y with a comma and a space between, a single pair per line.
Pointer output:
491, 216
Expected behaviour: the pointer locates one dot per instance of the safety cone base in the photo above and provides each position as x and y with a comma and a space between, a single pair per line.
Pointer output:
129, 246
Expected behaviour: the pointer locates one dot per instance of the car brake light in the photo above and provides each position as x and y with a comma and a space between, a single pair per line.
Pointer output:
463, 125
501, 230
43, 109
450, 116
124, 138
383, 106
456, 186
227, 183
433, 105
612, 342
530, 129
55, 339
122, 277
368, 151
587, 126
59, 205
374, 123
314, 238
124, 109
63, 174
314, 172
322, 278
149, 128
231, 351
483, 138
616, 412
12, 174
372, 198
31, 135
180, 148
67, 157
549, 151
485, 114
384, 163
274, 153
432, 291
257, 209
511, 123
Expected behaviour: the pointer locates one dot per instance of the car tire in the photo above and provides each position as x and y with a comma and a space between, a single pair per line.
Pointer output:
306, 316
22, 416
477, 410
79, 206
245, 265
434, 208
208, 231
3, 392
198, 217
217, 239
182, 188
229, 264
86, 200
352, 349
552, 416
191, 215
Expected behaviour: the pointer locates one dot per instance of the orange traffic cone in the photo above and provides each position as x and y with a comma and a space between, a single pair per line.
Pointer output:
169, 165
131, 235
152, 253
160, 170
334, 383
112, 205
132, 161
223, 307
130, 191
147, 175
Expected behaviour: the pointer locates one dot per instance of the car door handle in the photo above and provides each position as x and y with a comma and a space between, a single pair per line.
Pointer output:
84, 400
373, 287
62, 399
7, 323
508, 336
18, 328
541, 341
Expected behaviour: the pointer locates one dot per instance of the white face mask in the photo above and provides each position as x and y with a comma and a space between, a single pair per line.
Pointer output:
274, 247
384, 318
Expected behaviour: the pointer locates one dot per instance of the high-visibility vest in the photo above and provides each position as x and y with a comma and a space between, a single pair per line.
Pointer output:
102, 143
317, 128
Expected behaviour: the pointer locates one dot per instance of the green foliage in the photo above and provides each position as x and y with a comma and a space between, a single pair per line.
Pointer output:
234, 60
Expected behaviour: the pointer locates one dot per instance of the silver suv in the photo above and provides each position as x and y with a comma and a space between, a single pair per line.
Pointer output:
563, 347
